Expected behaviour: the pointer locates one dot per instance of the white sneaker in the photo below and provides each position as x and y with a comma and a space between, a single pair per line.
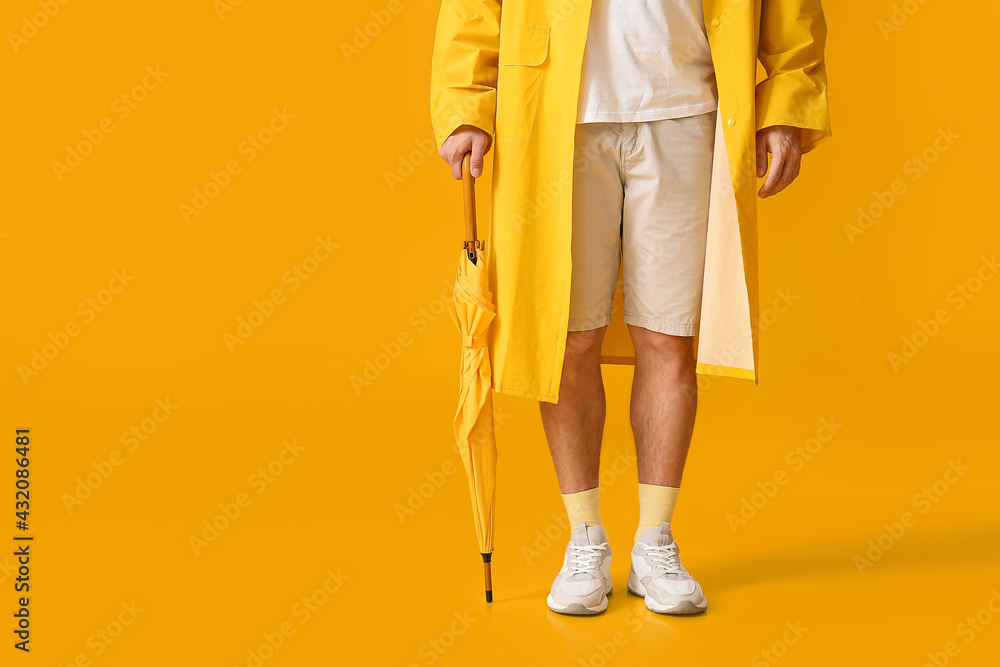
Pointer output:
658, 576
584, 582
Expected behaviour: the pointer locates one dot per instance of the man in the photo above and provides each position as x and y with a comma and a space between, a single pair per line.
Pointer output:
614, 123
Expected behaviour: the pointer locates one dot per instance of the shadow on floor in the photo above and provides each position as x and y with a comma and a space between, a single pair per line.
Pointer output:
979, 545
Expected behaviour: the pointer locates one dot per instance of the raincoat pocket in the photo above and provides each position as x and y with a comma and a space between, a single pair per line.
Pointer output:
523, 51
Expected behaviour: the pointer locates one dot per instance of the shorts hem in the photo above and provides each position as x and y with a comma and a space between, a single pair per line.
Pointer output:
662, 324
588, 323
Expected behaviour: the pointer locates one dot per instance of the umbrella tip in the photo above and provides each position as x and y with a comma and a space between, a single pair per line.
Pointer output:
489, 576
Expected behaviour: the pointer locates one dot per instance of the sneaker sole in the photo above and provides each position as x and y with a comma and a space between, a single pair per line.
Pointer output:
681, 608
576, 609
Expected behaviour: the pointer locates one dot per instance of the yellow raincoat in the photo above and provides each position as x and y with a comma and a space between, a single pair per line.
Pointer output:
519, 77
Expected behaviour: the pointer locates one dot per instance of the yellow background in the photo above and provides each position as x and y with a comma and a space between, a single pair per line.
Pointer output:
355, 167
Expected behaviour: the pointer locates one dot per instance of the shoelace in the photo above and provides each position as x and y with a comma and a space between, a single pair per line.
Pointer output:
587, 558
664, 557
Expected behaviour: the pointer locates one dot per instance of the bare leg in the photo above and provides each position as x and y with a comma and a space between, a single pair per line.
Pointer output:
574, 425
664, 401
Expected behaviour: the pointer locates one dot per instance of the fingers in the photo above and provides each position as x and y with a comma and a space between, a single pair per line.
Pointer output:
452, 151
784, 143
773, 174
784, 167
761, 158
792, 172
456, 166
466, 140
455, 159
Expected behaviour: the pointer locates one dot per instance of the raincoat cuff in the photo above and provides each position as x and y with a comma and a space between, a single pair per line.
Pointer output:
794, 99
464, 107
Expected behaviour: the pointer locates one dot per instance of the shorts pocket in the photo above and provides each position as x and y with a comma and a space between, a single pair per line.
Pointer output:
523, 51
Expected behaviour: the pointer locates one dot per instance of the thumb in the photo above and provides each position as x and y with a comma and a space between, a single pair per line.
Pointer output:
476, 163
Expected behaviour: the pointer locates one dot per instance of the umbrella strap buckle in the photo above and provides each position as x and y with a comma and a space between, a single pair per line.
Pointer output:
473, 248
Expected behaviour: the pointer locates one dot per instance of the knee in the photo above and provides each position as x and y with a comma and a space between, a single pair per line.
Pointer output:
675, 353
581, 344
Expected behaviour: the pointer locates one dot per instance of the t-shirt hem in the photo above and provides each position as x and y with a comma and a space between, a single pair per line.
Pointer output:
648, 115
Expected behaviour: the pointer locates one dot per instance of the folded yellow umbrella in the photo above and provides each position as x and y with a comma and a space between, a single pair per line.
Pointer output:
472, 309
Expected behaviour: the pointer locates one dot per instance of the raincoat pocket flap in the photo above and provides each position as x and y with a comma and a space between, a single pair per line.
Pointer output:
523, 45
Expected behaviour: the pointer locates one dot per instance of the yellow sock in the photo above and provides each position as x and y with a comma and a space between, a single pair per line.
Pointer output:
583, 506
656, 504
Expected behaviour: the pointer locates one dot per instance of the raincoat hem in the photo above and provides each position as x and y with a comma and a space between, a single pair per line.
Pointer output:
727, 371
524, 394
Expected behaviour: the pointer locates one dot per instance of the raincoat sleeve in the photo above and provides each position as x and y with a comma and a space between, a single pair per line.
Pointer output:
464, 66
792, 39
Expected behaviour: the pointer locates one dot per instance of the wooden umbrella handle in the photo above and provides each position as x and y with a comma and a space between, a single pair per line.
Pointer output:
472, 244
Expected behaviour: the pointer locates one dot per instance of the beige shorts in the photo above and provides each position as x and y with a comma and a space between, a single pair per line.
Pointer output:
640, 198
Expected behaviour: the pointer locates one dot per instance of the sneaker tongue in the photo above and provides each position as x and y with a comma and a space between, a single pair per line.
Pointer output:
657, 536
585, 535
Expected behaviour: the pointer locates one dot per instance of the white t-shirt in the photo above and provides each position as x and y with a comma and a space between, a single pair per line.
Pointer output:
646, 60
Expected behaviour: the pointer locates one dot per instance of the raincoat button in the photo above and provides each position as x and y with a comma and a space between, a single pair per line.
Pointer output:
732, 121
716, 23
